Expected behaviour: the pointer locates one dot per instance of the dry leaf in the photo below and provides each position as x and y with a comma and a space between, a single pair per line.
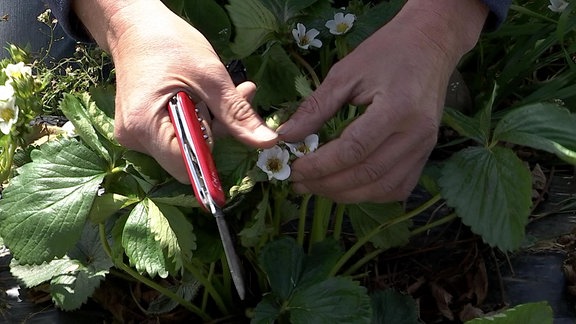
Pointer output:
443, 300
470, 312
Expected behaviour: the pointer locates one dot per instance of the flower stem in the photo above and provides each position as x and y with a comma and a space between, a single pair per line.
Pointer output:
438, 222
363, 240
339, 220
207, 284
322, 211
302, 219
307, 67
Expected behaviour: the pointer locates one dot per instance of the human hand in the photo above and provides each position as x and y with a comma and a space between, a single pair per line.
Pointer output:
155, 57
400, 74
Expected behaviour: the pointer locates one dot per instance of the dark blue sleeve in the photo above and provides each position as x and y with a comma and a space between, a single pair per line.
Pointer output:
70, 23
68, 20
498, 12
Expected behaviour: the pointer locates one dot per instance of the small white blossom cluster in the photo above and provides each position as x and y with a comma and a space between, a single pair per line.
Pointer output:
340, 25
8, 109
275, 161
558, 5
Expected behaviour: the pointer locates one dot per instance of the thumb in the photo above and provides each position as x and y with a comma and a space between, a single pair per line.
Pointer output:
313, 112
231, 107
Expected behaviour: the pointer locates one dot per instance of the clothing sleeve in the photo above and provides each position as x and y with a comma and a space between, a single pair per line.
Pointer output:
68, 20
498, 13
72, 25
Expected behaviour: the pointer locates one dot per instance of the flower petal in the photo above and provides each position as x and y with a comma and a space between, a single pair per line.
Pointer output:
338, 17
316, 43
284, 173
349, 19
312, 33
301, 29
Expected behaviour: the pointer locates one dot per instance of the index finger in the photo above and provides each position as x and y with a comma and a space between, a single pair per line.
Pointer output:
355, 144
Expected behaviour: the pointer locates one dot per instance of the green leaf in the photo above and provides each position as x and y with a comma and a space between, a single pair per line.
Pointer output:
322, 258
233, 160
267, 311
100, 120
334, 300
145, 166
186, 288
301, 289
34, 275
107, 205
531, 313
174, 193
76, 112
546, 127
70, 290
284, 272
491, 191
73, 277
157, 238
370, 21
389, 306
251, 235
367, 216
302, 86
464, 125
215, 26
275, 74
285, 10
44, 208
254, 25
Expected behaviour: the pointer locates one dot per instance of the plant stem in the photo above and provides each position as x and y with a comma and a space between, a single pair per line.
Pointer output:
529, 12
307, 67
363, 240
207, 284
339, 220
322, 211
369, 256
148, 282
302, 219
279, 198
438, 222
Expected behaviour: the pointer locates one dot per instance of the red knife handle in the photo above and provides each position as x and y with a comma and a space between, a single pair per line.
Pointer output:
203, 153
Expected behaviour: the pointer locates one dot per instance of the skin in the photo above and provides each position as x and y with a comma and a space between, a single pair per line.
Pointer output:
156, 54
378, 158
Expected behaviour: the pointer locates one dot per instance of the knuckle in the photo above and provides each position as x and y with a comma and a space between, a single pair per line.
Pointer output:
353, 149
240, 110
310, 106
368, 173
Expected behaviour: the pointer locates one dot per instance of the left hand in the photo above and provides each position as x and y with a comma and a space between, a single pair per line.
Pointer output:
400, 74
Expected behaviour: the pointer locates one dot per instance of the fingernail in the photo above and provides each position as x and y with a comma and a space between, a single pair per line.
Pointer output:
285, 128
264, 133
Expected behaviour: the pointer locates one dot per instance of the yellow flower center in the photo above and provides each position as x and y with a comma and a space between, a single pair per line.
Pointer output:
303, 148
304, 40
6, 114
342, 27
274, 164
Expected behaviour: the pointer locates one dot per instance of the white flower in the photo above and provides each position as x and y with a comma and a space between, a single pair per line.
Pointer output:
558, 5
16, 71
8, 109
69, 129
274, 161
310, 144
304, 38
340, 24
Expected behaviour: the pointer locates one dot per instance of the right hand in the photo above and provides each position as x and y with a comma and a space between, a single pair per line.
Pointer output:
156, 59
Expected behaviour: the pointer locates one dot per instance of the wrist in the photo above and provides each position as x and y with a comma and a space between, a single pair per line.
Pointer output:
108, 20
454, 26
